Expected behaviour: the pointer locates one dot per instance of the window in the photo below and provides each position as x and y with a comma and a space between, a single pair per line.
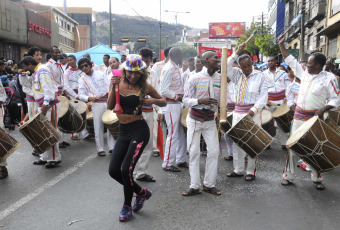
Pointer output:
332, 47
310, 42
61, 22
335, 7
68, 27
73, 30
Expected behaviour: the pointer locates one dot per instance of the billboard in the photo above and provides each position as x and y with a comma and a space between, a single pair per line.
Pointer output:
226, 29
202, 49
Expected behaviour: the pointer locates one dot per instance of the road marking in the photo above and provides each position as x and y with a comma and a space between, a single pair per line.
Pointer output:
51, 183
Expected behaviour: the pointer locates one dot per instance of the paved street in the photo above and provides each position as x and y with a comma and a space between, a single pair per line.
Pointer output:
80, 195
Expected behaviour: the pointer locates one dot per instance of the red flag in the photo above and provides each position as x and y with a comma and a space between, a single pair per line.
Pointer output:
160, 140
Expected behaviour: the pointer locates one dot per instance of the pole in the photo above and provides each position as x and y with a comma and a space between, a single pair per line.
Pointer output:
223, 93
110, 46
160, 29
302, 39
166, 41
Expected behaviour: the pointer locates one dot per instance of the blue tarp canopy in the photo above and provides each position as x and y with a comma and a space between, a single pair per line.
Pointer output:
262, 65
97, 53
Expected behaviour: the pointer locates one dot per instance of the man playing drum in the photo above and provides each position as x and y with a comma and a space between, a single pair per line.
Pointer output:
3, 97
319, 92
45, 93
277, 84
251, 95
202, 94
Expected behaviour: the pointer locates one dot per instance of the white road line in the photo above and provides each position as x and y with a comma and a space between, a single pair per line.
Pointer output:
13, 207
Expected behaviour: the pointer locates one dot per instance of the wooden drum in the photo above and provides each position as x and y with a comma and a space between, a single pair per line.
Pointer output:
70, 120
335, 116
111, 122
249, 136
267, 122
89, 123
81, 108
283, 117
317, 144
7, 145
331, 123
40, 133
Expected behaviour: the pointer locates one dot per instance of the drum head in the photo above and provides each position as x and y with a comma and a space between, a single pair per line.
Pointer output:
283, 109
109, 117
266, 116
80, 106
89, 116
30, 120
301, 131
64, 106
184, 116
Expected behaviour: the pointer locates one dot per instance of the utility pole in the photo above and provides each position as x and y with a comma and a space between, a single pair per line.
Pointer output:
160, 29
110, 46
166, 41
302, 39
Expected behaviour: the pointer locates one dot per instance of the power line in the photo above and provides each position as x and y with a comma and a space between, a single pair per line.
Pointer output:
139, 14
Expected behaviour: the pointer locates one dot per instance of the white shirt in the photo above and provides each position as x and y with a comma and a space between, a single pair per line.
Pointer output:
103, 68
202, 85
248, 90
171, 86
96, 85
56, 71
3, 95
316, 90
71, 78
63, 67
230, 93
292, 93
277, 81
26, 83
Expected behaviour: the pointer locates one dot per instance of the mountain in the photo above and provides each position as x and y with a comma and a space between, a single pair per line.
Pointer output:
133, 27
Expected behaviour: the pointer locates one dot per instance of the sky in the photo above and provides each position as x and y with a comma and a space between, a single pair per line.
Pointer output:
201, 12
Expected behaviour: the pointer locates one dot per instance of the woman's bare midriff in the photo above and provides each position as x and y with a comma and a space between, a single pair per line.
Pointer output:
126, 118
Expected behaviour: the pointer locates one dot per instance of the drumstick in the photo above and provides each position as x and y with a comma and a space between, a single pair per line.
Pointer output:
223, 93
251, 36
293, 22
117, 108
28, 72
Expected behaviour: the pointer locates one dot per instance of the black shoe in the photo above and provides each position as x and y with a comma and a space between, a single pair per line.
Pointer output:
39, 162
183, 165
284, 147
52, 164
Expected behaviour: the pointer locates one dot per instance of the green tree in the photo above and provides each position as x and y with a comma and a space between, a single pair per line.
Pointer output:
188, 51
267, 45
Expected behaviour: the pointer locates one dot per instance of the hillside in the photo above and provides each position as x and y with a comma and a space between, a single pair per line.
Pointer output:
134, 27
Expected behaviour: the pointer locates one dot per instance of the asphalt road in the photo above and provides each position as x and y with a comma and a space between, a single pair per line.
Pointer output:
81, 195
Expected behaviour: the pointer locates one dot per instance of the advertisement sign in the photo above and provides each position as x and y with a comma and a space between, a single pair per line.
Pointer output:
218, 51
226, 29
39, 32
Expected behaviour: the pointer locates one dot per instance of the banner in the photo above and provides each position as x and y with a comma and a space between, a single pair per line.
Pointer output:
227, 29
202, 49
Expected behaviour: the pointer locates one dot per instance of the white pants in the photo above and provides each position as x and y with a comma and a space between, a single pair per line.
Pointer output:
282, 136
240, 154
229, 144
154, 132
292, 159
32, 108
209, 131
175, 147
53, 154
142, 164
4, 163
98, 109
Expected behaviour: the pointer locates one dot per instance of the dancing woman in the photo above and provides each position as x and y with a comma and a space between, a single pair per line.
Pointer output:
133, 130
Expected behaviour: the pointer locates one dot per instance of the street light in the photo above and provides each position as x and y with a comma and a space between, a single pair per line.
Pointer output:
176, 13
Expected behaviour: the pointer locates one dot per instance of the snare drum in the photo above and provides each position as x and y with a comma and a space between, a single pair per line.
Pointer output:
283, 117
89, 123
317, 144
267, 122
40, 132
111, 122
81, 108
7, 145
70, 120
249, 136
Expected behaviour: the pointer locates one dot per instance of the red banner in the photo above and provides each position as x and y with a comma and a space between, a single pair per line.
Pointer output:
202, 49
226, 29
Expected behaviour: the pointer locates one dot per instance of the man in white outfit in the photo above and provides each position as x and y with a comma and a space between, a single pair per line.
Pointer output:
172, 90
202, 94
3, 97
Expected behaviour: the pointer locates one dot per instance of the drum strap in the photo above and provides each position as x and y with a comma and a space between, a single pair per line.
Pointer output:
303, 115
243, 108
230, 107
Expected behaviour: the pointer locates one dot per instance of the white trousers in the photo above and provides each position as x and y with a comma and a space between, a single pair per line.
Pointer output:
154, 132
292, 159
229, 144
32, 108
175, 147
142, 164
282, 136
53, 154
209, 132
240, 154
4, 163
98, 109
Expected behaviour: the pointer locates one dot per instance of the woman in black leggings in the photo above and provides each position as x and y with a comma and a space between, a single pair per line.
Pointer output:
133, 130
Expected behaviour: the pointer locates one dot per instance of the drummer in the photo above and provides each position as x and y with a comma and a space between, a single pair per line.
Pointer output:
230, 109
319, 92
278, 82
251, 95
3, 97
201, 95
94, 87
45, 93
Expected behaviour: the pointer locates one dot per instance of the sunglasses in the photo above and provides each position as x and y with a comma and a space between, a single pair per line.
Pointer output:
84, 66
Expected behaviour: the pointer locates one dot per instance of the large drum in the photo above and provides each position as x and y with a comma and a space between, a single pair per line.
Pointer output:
249, 136
81, 108
317, 144
335, 116
40, 133
184, 118
89, 123
111, 122
267, 122
283, 117
331, 123
7, 145
70, 120
229, 123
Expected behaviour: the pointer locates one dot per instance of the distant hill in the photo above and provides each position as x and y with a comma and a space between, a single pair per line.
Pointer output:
134, 27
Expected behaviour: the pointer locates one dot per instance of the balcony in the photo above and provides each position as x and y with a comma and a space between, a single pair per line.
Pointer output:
318, 11
308, 22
